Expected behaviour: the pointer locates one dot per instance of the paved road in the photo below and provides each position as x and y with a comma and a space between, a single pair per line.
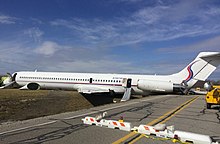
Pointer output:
68, 128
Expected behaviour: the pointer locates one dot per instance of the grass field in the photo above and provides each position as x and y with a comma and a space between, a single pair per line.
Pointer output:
26, 104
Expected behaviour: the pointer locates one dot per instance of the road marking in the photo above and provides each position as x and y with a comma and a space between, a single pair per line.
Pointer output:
163, 118
23, 128
51, 122
186, 104
173, 113
137, 139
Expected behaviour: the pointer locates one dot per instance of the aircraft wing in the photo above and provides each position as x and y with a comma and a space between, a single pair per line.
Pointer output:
92, 89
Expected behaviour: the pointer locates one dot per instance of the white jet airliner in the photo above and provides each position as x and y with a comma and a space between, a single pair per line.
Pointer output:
199, 69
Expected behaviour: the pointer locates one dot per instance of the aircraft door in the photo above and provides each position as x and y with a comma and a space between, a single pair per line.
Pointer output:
90, 80
126, 82
14, 77
129, 83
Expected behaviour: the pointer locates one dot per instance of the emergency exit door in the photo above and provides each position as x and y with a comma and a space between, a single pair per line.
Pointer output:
126, 82
90, 80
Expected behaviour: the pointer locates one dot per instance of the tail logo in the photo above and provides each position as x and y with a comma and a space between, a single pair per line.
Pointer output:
189, 69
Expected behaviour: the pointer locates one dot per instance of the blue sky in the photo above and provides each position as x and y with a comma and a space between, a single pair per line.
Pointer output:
111, 36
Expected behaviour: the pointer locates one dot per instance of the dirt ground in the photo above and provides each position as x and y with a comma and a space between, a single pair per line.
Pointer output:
26, 104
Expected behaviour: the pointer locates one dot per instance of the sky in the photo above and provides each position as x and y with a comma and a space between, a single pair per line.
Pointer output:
107, 36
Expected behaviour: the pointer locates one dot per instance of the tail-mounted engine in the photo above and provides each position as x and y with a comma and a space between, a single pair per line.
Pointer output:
155, 86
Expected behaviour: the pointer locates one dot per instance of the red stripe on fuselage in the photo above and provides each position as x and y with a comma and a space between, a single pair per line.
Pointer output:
72, 83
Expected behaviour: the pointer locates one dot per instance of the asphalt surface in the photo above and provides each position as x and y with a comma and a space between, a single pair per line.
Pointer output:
68, 128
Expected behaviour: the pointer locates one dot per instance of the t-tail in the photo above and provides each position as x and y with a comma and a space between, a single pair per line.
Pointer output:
199, 69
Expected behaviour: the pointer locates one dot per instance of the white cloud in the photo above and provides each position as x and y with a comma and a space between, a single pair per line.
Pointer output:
101, 65
36, 21
148, 16
51, 56
211, 44
160, 22
93, 66
35, 33
89, 39
7, 19
47, 48
14, 55
94, 31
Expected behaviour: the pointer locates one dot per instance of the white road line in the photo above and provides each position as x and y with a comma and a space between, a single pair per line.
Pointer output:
50, 122
19, 129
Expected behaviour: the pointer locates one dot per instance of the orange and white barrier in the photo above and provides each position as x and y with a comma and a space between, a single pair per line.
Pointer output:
159, 130
101, 116
194, 138
125, 126
90, 120
97, 120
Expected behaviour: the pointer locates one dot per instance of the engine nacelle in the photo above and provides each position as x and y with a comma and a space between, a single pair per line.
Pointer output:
155, 86
208, 86
31, 86
6, 81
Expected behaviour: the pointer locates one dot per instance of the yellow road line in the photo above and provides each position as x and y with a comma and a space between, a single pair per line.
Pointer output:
137, 139
124, 138
180, 109
175, 112
153, 122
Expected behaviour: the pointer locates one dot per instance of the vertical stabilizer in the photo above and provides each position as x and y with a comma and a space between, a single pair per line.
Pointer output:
199, 69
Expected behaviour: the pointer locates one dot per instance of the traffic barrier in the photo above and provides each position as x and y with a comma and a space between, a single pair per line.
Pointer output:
101, 116
160, 127
194, 138
125, 126
159, 131
93, 121
169, 132
102, 122
90, 121
97, 120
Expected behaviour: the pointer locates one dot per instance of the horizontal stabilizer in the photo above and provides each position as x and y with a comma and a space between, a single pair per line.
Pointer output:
213, 56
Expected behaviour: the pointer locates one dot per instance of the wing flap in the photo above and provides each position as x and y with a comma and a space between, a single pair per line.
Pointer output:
92, 89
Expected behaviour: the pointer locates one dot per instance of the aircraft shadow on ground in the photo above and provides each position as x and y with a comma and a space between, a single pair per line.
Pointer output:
101, 99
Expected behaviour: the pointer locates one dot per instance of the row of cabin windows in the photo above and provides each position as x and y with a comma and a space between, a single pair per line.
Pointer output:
70, 79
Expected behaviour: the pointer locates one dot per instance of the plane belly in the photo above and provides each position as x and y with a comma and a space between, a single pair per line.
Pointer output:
117, 89
136, 91
60, 86
21, 83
